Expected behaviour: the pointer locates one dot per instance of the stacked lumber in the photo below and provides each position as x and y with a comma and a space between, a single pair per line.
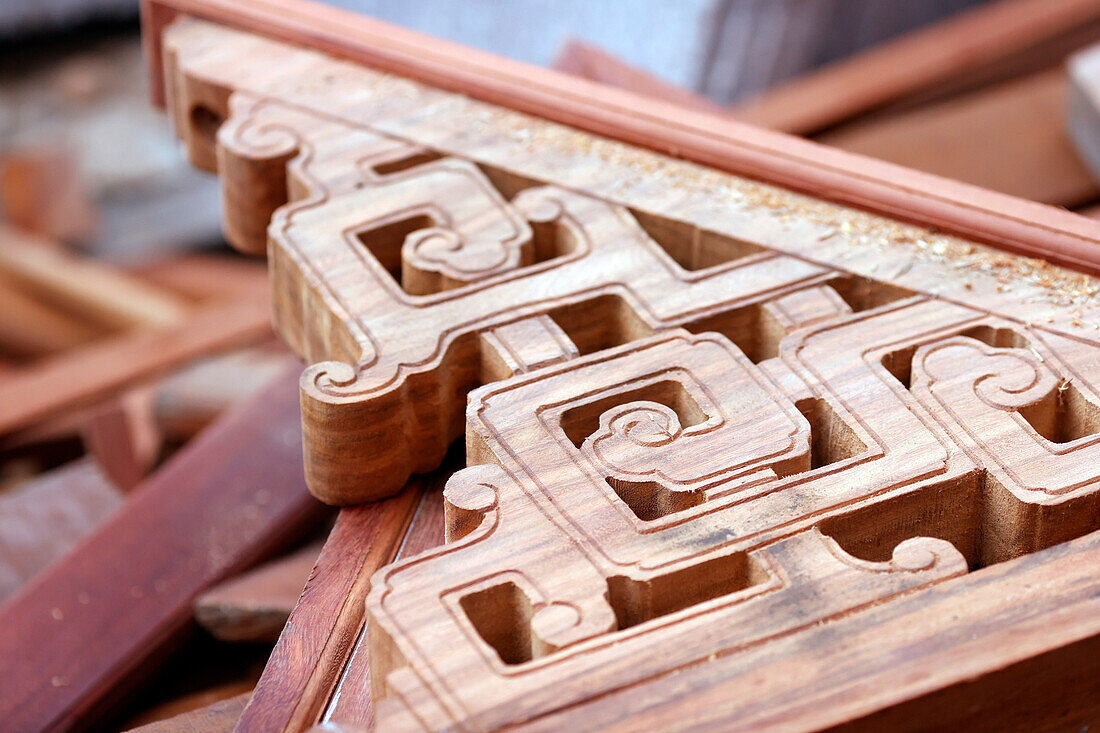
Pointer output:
121, 445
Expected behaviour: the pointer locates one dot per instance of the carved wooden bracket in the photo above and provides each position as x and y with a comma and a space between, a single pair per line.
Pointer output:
703, 417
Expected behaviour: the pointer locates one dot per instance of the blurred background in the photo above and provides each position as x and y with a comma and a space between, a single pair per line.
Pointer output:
107, 234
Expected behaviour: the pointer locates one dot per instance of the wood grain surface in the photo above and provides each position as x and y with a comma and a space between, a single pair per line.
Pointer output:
255, 605
95, 372
42, 519
711, 427
694, 135
314, 647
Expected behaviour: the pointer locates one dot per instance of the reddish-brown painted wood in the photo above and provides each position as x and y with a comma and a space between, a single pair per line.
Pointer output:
77, 638
97, 371
322, 629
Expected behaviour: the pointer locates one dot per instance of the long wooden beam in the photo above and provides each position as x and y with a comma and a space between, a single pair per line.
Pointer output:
96, 371
1010, 223
982, 45
78, 637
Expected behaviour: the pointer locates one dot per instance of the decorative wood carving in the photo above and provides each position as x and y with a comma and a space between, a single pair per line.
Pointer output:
707, 421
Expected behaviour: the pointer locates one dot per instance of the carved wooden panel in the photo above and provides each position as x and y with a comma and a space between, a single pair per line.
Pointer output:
706, 420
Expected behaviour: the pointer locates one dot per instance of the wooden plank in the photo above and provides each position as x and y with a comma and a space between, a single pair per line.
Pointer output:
1007, 619
426, 531
255, 605
102, 294
184, 401
325, 625
73, 642
203, 277
993, 218
30, 329
124, 437
1009, 138
218, 717
192, 397
990, 43
93, 373
41, 519
589, 61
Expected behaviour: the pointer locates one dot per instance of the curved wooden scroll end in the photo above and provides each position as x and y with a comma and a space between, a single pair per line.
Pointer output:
252, 158
363, 441
355, 450
469, 496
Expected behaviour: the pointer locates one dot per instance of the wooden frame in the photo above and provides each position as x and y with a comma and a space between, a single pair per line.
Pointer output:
1016, 225
751, 689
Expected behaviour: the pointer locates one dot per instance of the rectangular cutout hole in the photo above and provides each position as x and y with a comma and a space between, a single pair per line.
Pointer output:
832, 439
900, 363
506, 182
421, 157
743, 326
863, 294
385, 241
1067, 415
501, 615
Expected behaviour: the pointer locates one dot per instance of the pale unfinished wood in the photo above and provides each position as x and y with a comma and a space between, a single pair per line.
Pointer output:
99, 293
342, 176
708, 423
31, 329
667, 128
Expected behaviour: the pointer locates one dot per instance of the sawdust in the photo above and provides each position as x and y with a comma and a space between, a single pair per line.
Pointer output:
1042, 280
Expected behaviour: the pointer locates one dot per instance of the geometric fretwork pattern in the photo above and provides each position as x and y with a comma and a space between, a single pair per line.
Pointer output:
681, 443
